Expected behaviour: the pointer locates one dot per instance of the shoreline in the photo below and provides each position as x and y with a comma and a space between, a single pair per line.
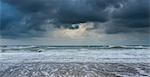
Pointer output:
75, 69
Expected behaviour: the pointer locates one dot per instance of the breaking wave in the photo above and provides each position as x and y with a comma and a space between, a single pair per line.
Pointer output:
40, 48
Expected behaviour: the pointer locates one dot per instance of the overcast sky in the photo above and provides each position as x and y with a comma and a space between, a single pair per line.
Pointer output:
75, 22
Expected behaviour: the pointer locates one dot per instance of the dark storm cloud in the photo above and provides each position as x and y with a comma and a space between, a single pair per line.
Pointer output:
9, 17
133, 17
61, 13
68, 11
35, 14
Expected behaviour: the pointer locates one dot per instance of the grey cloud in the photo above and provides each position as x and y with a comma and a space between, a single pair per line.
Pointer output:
37, 14
61, 13
133, 17
67, 11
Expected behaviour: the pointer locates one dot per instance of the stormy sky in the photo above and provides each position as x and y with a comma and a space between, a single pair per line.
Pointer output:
75, 22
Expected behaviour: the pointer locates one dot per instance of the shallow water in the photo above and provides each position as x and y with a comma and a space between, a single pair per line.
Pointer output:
75, 70
85, 61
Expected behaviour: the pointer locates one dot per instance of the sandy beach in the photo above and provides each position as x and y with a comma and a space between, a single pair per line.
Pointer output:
39, 69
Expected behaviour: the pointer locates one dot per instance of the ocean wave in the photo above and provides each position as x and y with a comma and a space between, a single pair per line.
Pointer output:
42, 48
129, 47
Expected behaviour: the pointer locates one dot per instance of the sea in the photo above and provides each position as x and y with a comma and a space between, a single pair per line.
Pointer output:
74, 61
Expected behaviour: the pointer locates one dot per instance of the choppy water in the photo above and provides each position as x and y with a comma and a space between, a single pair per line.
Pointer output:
75, 70
74, 61
42, 48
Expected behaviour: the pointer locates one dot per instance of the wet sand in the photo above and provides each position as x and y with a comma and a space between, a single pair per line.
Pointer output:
74, 69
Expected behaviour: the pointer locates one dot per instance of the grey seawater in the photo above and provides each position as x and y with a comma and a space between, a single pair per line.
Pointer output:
75, 61
51, 69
